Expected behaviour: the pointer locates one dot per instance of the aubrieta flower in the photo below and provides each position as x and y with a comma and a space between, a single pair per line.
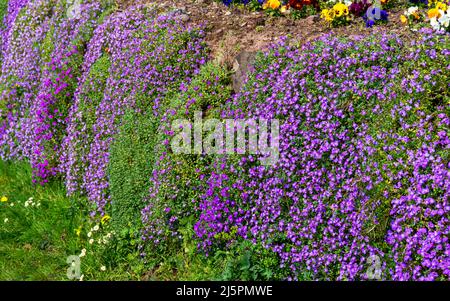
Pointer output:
316, 207
85, 159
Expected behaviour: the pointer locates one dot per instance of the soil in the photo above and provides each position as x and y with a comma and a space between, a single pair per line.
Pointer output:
230, 30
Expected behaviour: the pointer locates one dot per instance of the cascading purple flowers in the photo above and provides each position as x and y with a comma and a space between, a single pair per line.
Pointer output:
148, 54
14, 7
48, 113
322, 204
21, 74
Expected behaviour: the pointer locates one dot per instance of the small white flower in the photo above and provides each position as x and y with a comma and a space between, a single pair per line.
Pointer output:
89, 234
81, 277
103, 268
83, 253
445, 20
6, 220
412, 10
96, 228
91, 241
27, 204
435, 24
12, 204
38, 204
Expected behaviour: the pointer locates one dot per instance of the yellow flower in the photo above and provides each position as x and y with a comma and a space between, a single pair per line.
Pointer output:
441, 6
283, 9
330, 15
340, 9
78, 231
434, 13
384, 1
105, 219
273, 4
4, 199
403, 19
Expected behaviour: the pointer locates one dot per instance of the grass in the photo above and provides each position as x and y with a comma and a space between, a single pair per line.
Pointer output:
40, 232
36, 240
37, 236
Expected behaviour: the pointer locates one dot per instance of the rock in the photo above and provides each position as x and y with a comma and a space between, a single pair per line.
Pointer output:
241, 65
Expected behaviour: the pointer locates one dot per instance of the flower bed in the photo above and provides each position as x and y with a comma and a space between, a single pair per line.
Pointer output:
364, 147
340, 13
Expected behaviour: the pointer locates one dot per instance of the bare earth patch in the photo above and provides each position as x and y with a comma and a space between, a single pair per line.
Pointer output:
232, 30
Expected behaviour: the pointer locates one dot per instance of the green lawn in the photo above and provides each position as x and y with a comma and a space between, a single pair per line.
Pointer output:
38, 231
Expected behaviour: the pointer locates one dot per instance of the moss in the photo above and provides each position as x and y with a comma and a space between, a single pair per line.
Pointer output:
129, 169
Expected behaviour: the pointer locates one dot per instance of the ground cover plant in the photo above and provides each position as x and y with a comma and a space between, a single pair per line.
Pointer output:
91, 99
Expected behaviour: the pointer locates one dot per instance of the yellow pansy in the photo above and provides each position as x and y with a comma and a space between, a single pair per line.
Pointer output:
4, 199
283, 9
403, 19
330, 15
434, 13
441, 6
340, 9
105, 219
273, 4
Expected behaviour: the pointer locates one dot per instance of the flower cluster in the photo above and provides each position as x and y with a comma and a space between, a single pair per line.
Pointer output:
412, 15
375, 15
21, 73
66, 82
437, 13
337, 15
133, 59
359, 8
347, 174
62, 62
341, 13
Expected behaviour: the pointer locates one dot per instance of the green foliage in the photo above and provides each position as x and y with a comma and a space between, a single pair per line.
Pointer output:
3, 11
129, 168
206, 93
41, 227
35, 237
